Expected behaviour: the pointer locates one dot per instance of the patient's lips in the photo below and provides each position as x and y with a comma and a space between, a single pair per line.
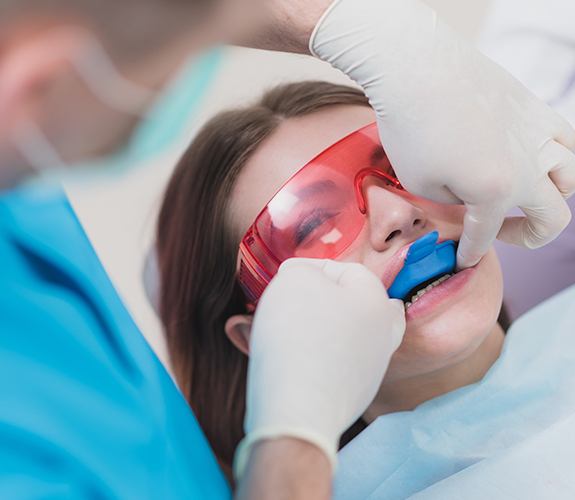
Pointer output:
395, 265
443, 294
396, 262
432, 299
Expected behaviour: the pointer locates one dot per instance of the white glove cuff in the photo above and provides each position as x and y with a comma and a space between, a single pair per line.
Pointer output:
245, 447
318, 26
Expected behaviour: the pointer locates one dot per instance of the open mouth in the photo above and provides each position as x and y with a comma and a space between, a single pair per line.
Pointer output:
420, 290
420, 267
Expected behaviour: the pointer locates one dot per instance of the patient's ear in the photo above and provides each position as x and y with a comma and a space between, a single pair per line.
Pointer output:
239, 329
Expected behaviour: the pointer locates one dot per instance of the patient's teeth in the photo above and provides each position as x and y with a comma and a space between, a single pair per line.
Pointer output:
428, 288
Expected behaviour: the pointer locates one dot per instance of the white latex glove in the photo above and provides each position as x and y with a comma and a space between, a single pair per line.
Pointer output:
321, 341
456, 126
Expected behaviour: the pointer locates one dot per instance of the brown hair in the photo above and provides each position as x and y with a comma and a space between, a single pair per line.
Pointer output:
197, 252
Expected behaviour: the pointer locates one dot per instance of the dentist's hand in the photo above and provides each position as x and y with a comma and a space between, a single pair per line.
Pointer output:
456, 127
322, 338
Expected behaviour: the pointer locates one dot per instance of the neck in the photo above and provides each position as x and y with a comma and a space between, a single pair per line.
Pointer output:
406, 394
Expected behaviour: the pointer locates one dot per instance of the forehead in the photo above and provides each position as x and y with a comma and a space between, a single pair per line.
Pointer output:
293, 144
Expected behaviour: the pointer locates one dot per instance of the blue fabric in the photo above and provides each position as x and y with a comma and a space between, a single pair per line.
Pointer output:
86, 408
178, 106
495, 439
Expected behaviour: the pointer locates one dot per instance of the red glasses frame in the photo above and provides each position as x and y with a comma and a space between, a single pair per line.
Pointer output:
257, 262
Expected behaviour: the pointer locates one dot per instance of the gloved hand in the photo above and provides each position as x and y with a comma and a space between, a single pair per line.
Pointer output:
321, 341
456, 126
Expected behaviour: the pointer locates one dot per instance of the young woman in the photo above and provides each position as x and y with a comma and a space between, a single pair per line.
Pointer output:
228, 175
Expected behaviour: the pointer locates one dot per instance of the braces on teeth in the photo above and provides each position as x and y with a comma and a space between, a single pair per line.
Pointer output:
423, 291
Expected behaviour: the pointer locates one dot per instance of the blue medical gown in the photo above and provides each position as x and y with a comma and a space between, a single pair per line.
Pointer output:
86, 408
511, 435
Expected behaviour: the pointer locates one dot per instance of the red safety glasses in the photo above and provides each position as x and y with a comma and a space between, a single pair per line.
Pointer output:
318, 213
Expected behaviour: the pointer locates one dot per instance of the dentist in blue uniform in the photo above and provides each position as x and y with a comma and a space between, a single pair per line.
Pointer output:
86, 408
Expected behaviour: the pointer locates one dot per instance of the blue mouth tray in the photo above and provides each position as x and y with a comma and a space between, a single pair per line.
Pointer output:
425, 260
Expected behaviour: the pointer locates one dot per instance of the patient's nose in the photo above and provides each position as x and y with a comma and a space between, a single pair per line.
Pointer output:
391, 216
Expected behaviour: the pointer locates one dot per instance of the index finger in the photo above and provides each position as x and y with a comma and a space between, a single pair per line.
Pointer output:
481, 226
346, 274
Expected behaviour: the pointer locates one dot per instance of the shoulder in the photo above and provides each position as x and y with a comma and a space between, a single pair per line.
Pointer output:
86, 407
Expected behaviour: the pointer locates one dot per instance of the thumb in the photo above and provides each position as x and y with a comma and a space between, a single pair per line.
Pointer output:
480, 228
398, 323
346, 274
353, 276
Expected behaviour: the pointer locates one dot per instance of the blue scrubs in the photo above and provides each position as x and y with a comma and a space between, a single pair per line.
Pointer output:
86, 408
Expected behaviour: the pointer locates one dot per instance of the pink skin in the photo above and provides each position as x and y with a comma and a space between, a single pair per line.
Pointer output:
447, 326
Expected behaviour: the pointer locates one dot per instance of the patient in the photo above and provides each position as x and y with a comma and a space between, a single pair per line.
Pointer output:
230, 172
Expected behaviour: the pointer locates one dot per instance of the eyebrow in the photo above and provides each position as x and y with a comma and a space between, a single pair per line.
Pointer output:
377, 156
318, 187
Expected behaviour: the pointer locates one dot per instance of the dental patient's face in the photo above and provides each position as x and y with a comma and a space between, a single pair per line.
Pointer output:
446, 324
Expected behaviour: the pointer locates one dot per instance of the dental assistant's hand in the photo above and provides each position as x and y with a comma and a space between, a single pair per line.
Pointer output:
321, 341
456, 127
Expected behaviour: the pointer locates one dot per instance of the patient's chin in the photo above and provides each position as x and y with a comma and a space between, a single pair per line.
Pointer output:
448, 339
452, 336
430, 351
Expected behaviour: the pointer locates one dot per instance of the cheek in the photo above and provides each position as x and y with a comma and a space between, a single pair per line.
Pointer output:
454, 335
448, 219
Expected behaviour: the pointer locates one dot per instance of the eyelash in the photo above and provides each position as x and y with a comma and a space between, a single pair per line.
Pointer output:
312, 221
